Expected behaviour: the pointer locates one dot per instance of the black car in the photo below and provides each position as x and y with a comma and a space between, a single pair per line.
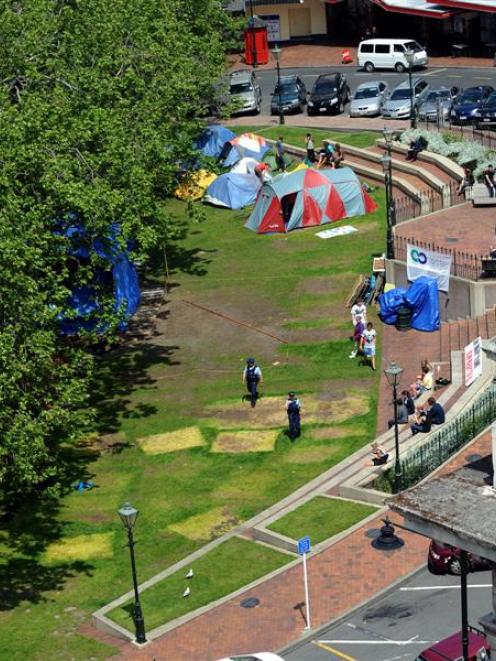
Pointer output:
487, 114
292, 97
467, 105
330, 93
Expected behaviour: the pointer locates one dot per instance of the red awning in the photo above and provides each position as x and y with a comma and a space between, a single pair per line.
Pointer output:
418, 7
471, 5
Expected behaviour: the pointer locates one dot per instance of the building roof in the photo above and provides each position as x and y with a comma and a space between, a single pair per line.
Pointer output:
418, 7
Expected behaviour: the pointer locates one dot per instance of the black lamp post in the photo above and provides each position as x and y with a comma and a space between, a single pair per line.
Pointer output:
393, 375
252, 30
387, 166
128, 515
410, 58
276, 52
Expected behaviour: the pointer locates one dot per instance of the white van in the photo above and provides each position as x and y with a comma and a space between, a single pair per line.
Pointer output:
389, 54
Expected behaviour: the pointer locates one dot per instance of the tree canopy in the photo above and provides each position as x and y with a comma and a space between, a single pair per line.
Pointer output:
99, 102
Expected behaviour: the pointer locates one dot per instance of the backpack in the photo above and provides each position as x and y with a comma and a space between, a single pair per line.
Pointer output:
293, 406
251, 375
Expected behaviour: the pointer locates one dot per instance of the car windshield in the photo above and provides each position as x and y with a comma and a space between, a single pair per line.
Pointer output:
413, 46
492, 99
240, 88
287, 90
400, 95
471, 96
367, 93
432, 96
326, 87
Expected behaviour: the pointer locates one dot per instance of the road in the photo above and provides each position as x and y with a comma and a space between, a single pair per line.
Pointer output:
437, 77
398, 627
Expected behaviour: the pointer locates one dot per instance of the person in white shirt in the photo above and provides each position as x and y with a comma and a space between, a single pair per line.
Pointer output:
359, 309
368, 343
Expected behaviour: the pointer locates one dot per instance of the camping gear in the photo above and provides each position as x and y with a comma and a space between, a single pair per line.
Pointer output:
213, 139
247, 144
233, 191
194, 184
422, 301
305, 198
246, 165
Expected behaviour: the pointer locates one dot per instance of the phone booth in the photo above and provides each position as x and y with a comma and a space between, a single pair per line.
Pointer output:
256, 44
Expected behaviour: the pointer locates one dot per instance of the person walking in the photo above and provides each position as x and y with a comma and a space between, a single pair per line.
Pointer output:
280, 151
252, 376
310, 160
488, 174
357, 336
368, 343
293, 409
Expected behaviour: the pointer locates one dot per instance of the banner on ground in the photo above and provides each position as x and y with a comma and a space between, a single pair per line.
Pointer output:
420, 261
472, 355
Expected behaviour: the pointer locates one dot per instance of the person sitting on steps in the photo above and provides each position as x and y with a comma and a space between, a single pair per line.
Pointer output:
379, 455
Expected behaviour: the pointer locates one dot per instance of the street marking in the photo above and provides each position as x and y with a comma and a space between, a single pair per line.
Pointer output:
399, 643
444, 587
484, 78
454, 76
322, 645
431, 73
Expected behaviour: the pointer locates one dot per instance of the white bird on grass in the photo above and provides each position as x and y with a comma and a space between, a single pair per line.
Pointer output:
190, 574
187, 592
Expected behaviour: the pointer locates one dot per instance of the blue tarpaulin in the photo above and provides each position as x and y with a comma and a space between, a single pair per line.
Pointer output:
233, 191
213, 139
421, 297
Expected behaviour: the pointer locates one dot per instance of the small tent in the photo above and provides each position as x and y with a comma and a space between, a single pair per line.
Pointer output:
233, 191
246, 165
194, 184
247, 144
213, 139
307, 197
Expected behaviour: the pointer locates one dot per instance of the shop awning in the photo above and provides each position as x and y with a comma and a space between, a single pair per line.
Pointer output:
419, 7
473, 5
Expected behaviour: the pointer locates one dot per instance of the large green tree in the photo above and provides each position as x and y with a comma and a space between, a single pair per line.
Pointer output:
99, 102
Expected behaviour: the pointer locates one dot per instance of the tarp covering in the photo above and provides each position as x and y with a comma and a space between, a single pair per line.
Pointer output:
121, 276
421, 297
307, 197
213, 139
233, 191
247, 144
194, 185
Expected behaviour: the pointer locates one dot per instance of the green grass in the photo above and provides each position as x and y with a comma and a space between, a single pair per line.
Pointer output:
296, 135
321, 518
282, 284
230, 566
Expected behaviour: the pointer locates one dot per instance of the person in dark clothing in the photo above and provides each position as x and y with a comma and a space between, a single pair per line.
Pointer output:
293, 409
416, 146
408, 402
252, 376
402, 413
280, 151
433, 416
467, 181
488, 174
310, 160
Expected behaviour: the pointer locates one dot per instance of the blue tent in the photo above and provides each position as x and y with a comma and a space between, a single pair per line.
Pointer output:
421, 297
121, 275
213, 139
233, 191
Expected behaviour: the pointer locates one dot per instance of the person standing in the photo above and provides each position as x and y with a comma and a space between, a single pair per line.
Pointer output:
252, 376
368, 343
489, 180
357, 336
280, 151
293, 409
310, 160
359, 309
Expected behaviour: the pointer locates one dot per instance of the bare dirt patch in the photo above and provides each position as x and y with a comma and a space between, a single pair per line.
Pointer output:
181, 439
238, 442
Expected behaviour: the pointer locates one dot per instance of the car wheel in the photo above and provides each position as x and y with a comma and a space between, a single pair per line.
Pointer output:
455, 566
399, 67
433, 570
369, 67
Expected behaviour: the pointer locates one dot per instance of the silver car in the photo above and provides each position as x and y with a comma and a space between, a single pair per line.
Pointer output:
368, 99
245, 92
397, 106
441, 98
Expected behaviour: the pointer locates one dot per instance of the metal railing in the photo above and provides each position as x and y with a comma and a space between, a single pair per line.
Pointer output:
464, 264
464, 130
419, 462
428, 201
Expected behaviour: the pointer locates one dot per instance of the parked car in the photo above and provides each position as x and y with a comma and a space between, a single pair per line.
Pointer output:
397, 106
445, 559
330, 93
441, 98
390, 54
450, 649
468, 103
293, 95
368, 99
245, 92
487, 114
258, 656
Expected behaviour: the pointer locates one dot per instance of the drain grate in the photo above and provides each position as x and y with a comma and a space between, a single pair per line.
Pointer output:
452, 239
251, 602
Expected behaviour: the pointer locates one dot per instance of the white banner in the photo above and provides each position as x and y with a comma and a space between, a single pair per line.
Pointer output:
272, 22
473, 360
420, 261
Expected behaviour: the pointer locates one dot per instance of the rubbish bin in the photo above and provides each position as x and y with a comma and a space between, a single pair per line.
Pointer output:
404, 318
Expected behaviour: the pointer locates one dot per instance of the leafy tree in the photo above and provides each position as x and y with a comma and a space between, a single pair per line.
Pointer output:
99, 103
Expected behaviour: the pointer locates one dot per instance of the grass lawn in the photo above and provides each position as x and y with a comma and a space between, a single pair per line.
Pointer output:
62, 559
227, 568
321, 518
295, 135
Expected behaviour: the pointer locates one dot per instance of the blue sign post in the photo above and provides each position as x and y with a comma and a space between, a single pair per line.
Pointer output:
303, 547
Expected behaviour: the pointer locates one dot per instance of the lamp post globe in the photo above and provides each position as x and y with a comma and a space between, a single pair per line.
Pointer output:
393, 375
410, 58
277, 52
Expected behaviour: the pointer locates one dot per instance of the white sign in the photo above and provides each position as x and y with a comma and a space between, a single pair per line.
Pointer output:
272, 22
420, 261
472, 355
337, 231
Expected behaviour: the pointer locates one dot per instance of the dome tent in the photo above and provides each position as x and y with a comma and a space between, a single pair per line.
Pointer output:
213, 139
233, 191
247, 144
306, 198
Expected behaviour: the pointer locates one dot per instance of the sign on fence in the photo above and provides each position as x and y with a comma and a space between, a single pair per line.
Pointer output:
420, 261
473, 360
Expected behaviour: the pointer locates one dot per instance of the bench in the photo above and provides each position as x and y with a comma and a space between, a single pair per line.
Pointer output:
481, 197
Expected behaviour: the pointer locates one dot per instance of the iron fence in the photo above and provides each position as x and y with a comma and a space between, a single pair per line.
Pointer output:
464, 264
465, 130
428, 201
440, 446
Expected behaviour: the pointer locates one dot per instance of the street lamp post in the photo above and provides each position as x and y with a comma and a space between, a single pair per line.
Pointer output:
128, 516
410, 58
390, 206
276, 52
252, 30
393, 375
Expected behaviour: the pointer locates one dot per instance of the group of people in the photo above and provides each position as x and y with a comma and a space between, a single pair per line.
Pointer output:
253, 377
364, 334
330, 156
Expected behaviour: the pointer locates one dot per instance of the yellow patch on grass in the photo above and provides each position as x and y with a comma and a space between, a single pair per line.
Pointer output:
81, 547
206, 526
238, 442
172, 441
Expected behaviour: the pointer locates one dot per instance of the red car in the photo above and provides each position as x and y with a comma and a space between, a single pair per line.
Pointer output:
450, 649
445, 559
